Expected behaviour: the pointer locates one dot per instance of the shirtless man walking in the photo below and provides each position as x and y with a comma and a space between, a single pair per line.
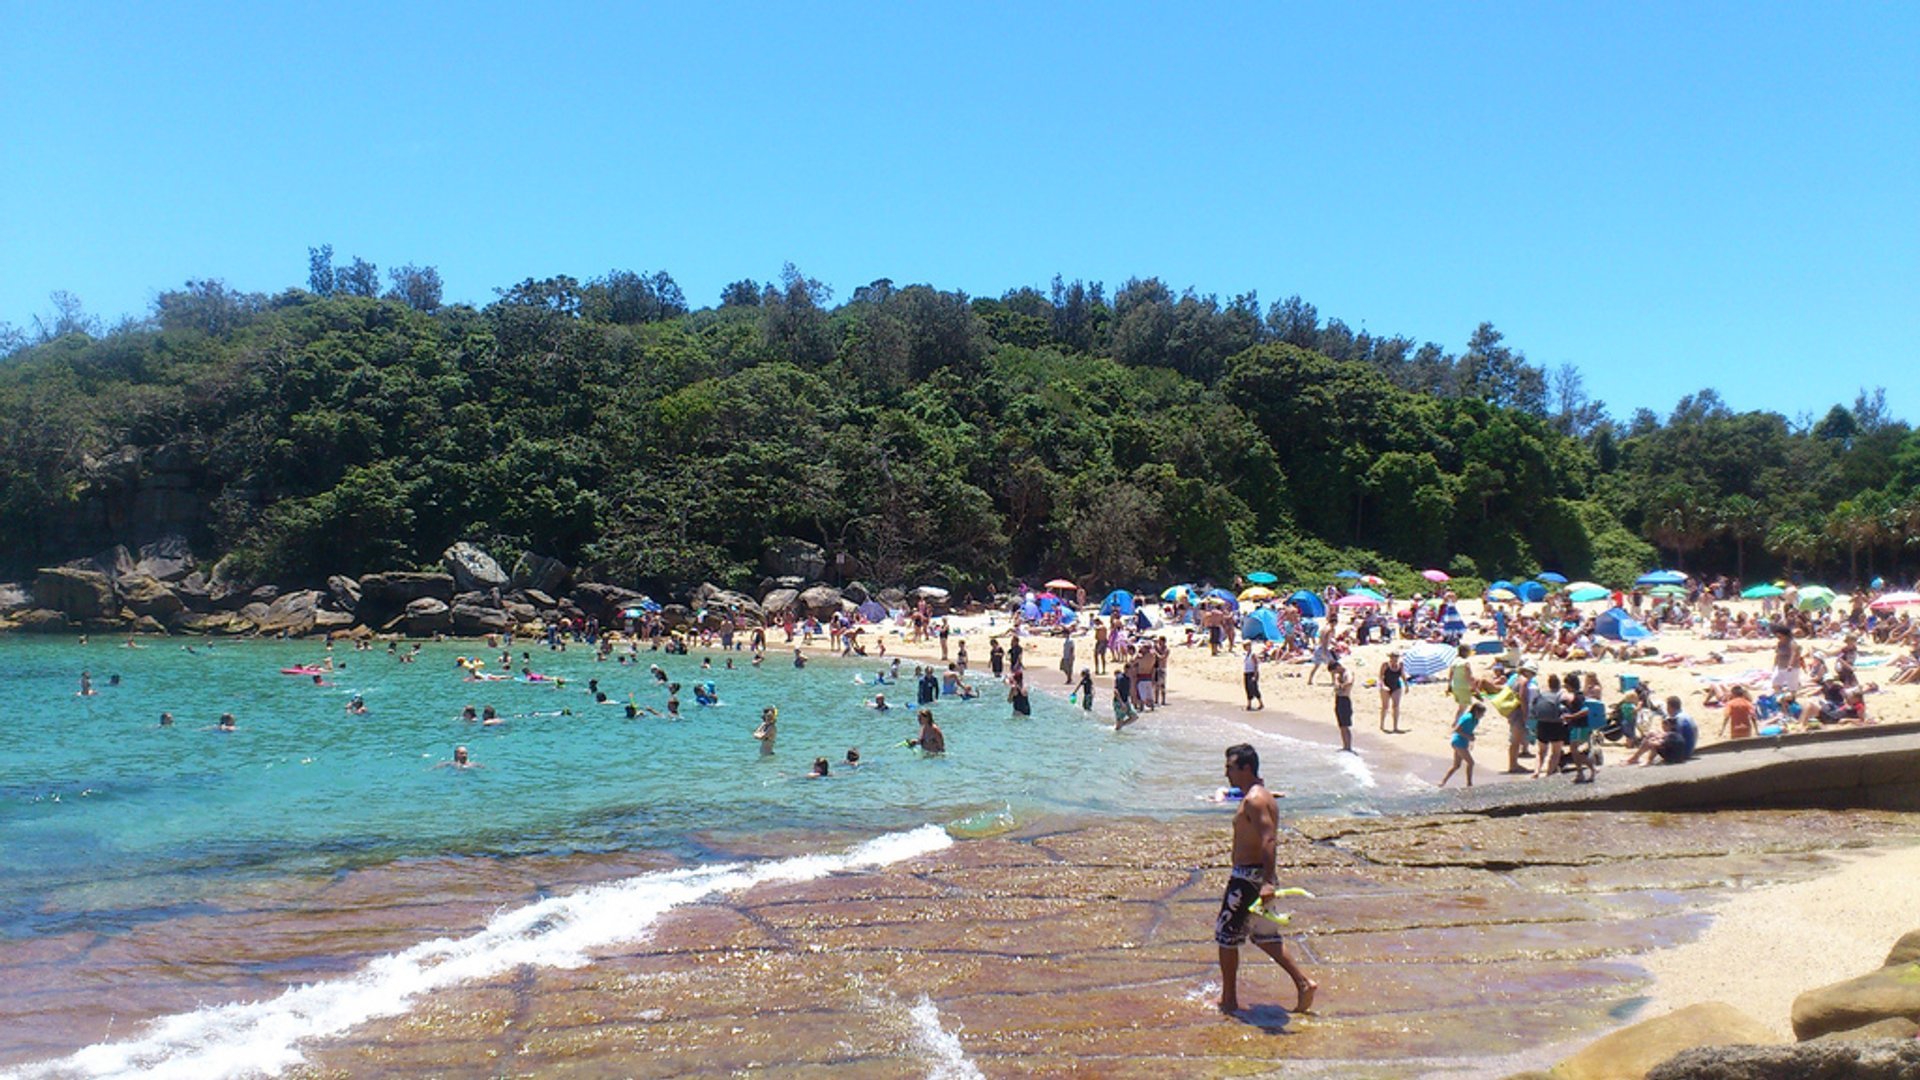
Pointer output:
1255, 832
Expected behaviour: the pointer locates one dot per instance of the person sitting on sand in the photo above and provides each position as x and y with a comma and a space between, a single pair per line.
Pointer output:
1675, 742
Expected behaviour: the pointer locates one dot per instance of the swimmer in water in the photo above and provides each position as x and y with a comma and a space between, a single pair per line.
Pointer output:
931, 740
799, 659
166, 719
86, 685
489, 717
227, 723
880, 703
320, 680
358, 706
460, 761
469, 715
853, 757
767, 731
820, 769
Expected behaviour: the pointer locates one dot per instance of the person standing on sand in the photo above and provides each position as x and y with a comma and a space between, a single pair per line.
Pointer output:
1343, 703
1462, 741
1256, 829
1099, 647
1066, 657
1250, 674
1393, 687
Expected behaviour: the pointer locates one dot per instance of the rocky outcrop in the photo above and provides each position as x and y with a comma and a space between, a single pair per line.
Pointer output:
821, 601
345, 592
548, 575
149, 597
40, 621
1879, 1059
472, 619
1629, 1053
384, 596
166, 559
291, 614
605, 602
719, 602
1892, 991
788, 557
81, 595
426, 616
473, 570
779, 602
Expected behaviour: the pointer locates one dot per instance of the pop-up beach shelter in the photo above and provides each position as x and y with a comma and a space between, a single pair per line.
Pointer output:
873, 611
1309, 604
1119, 600
1532, 591
1261, 625
1615, 624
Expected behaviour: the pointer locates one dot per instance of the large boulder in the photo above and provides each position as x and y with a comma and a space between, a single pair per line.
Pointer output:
115, 562
194, 592
605, 602
1877, 1059
426, 616
1894, 990
213, 622
473, 570
821, 601
476, 620
535, 598
893, 598
675, 616
1627, 1054
148, 597
788, 557
779, 602
40, 621
166, 559
722, 602
81, 595
384, 596
548, 575
291, 614
856, 591
345, 592
227, 585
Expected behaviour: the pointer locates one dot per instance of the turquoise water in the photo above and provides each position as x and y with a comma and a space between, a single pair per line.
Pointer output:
105, 815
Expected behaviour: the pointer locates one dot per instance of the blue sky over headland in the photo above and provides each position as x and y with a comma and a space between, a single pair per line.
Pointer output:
1667, 196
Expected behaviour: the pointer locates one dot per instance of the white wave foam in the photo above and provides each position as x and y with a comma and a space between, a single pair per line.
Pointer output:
265, 1036
1354, 767
942, 1047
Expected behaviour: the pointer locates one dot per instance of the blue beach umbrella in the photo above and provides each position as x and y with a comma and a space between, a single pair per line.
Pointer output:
1362, 590
1503, 583
1261, 577
1348, 574
1761, 592
1551, 577
1590, 593
1178, 592
1532, 591
1662, 577
1424, 661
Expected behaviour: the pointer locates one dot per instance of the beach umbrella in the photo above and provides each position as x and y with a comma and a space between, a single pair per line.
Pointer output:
1361, 590
1896, 599
1261, 577
1224, 596
1587, 594
1662, 577
1532, 592
1816, 598
1348, 574
1257, 593
1667, 590
1061, 583
1354, 600
1503, 583
931, 592
1178, 592
1761, 592
1551, 578
1373, 579
1426, 660
1502, 594
1435, 576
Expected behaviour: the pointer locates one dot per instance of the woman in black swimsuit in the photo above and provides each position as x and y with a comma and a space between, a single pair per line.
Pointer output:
1393, 686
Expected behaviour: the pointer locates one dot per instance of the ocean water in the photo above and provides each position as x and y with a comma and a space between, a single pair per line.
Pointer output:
108, 820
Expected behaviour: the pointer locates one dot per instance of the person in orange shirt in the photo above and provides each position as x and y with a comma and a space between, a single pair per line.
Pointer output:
1739, 717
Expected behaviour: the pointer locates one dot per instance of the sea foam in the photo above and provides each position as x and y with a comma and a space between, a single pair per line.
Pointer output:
252, 1038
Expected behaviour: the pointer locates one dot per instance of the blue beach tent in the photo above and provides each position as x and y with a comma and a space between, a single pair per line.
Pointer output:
1309, 604
1531, 591
1262, 625
1617, 625
1119, 600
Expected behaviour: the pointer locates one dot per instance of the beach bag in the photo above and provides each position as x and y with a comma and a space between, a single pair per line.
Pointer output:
1504, 701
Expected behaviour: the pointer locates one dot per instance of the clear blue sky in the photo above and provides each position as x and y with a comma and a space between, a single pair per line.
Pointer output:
1668, 196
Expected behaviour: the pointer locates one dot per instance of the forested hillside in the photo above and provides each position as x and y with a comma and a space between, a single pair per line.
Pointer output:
923, 434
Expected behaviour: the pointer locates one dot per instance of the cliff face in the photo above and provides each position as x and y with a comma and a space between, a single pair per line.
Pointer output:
135, 497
